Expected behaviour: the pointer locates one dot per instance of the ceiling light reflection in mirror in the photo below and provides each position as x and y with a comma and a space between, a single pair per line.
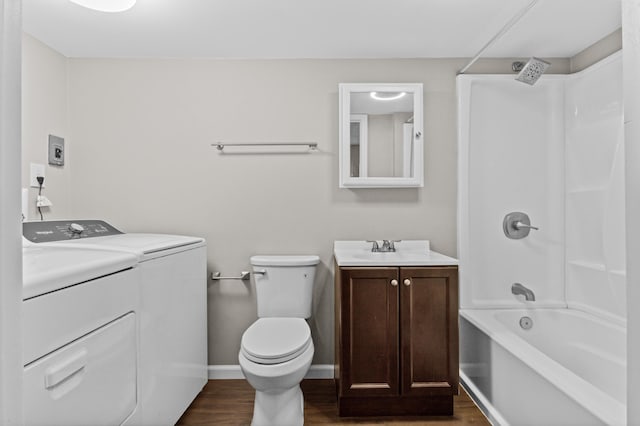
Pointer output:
106, 5
387, 96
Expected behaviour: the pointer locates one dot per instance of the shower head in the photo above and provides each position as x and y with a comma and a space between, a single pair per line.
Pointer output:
532, 70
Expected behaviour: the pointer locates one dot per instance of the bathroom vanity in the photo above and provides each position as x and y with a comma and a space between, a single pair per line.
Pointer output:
396, 330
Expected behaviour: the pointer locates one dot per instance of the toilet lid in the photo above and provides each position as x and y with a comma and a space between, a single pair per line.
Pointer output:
275, 340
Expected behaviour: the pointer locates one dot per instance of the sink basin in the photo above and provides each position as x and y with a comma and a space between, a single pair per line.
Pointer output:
408, 253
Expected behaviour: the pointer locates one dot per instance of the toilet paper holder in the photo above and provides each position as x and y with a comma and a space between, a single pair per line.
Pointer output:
244, 275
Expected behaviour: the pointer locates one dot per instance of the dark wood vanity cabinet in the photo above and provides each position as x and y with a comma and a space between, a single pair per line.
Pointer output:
396, 340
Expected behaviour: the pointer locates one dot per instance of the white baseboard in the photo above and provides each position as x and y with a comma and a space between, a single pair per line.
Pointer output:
320, 371
219, 372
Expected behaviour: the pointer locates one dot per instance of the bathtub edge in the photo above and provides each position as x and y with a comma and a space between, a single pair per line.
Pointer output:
547, 368
478, 398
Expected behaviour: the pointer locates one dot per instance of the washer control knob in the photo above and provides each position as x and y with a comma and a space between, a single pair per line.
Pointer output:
76, 228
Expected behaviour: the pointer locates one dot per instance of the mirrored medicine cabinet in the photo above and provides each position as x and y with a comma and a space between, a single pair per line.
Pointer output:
381, 135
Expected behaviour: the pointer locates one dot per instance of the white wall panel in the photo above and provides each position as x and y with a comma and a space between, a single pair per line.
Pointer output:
555, 151
511, 159
595, 219
631, 45
10, 229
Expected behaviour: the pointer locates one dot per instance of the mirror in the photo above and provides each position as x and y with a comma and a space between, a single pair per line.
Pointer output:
381, 135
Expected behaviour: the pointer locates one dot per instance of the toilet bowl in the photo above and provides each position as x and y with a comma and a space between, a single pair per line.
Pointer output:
276, 350
275, 355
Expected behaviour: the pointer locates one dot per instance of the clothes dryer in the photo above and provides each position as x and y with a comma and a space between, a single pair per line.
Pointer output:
79, 336
172, 315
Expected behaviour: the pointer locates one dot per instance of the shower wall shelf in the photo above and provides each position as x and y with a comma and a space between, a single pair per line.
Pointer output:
588, 265
600, 267
619, 272
311, 146
585, 189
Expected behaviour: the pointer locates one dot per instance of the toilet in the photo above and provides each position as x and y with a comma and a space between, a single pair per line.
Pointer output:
277, 349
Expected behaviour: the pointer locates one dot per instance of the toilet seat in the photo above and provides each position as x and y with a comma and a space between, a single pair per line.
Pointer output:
275, 340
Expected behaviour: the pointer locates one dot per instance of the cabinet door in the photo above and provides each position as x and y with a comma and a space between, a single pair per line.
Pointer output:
369, 310
429, 324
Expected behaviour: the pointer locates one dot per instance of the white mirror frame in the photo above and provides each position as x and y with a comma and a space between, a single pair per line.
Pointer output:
417, 161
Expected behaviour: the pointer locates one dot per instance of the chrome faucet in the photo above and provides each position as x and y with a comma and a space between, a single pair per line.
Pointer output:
387, 246
518, 288
375, 247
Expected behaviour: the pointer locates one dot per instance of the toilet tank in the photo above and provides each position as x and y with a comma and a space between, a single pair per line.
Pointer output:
284, 285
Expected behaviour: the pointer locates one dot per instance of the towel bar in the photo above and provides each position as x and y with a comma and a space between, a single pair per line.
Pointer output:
311, 145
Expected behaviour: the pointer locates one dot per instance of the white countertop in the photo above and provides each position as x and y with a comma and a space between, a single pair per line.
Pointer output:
408, 253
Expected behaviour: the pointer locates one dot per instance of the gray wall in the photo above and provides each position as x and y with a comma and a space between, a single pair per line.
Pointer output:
138, 135
142, 160
44, 112
600, 50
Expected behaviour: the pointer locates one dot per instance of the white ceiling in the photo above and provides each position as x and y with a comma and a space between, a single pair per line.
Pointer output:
321, 28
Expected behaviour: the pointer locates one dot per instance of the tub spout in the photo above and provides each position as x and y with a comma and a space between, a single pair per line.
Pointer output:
518, 288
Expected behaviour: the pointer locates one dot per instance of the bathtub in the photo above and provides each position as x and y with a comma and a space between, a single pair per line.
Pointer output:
569, 368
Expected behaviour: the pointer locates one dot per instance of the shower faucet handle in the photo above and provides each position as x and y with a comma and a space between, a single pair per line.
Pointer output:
520, 225
517, 225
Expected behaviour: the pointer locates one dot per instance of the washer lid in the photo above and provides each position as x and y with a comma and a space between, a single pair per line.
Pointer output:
146, 243
145, 246
285, 260
275, 340
47, 269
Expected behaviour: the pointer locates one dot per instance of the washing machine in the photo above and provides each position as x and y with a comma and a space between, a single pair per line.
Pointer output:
79, 336
172, 313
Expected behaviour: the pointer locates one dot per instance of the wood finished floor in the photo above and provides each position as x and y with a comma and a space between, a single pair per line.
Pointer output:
230, 402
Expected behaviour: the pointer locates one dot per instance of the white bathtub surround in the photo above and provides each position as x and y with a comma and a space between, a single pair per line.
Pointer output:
569, 367
555, 151
510, 158
595, 190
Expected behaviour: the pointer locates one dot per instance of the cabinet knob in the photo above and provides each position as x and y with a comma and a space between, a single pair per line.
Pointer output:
394, 282
407, 282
